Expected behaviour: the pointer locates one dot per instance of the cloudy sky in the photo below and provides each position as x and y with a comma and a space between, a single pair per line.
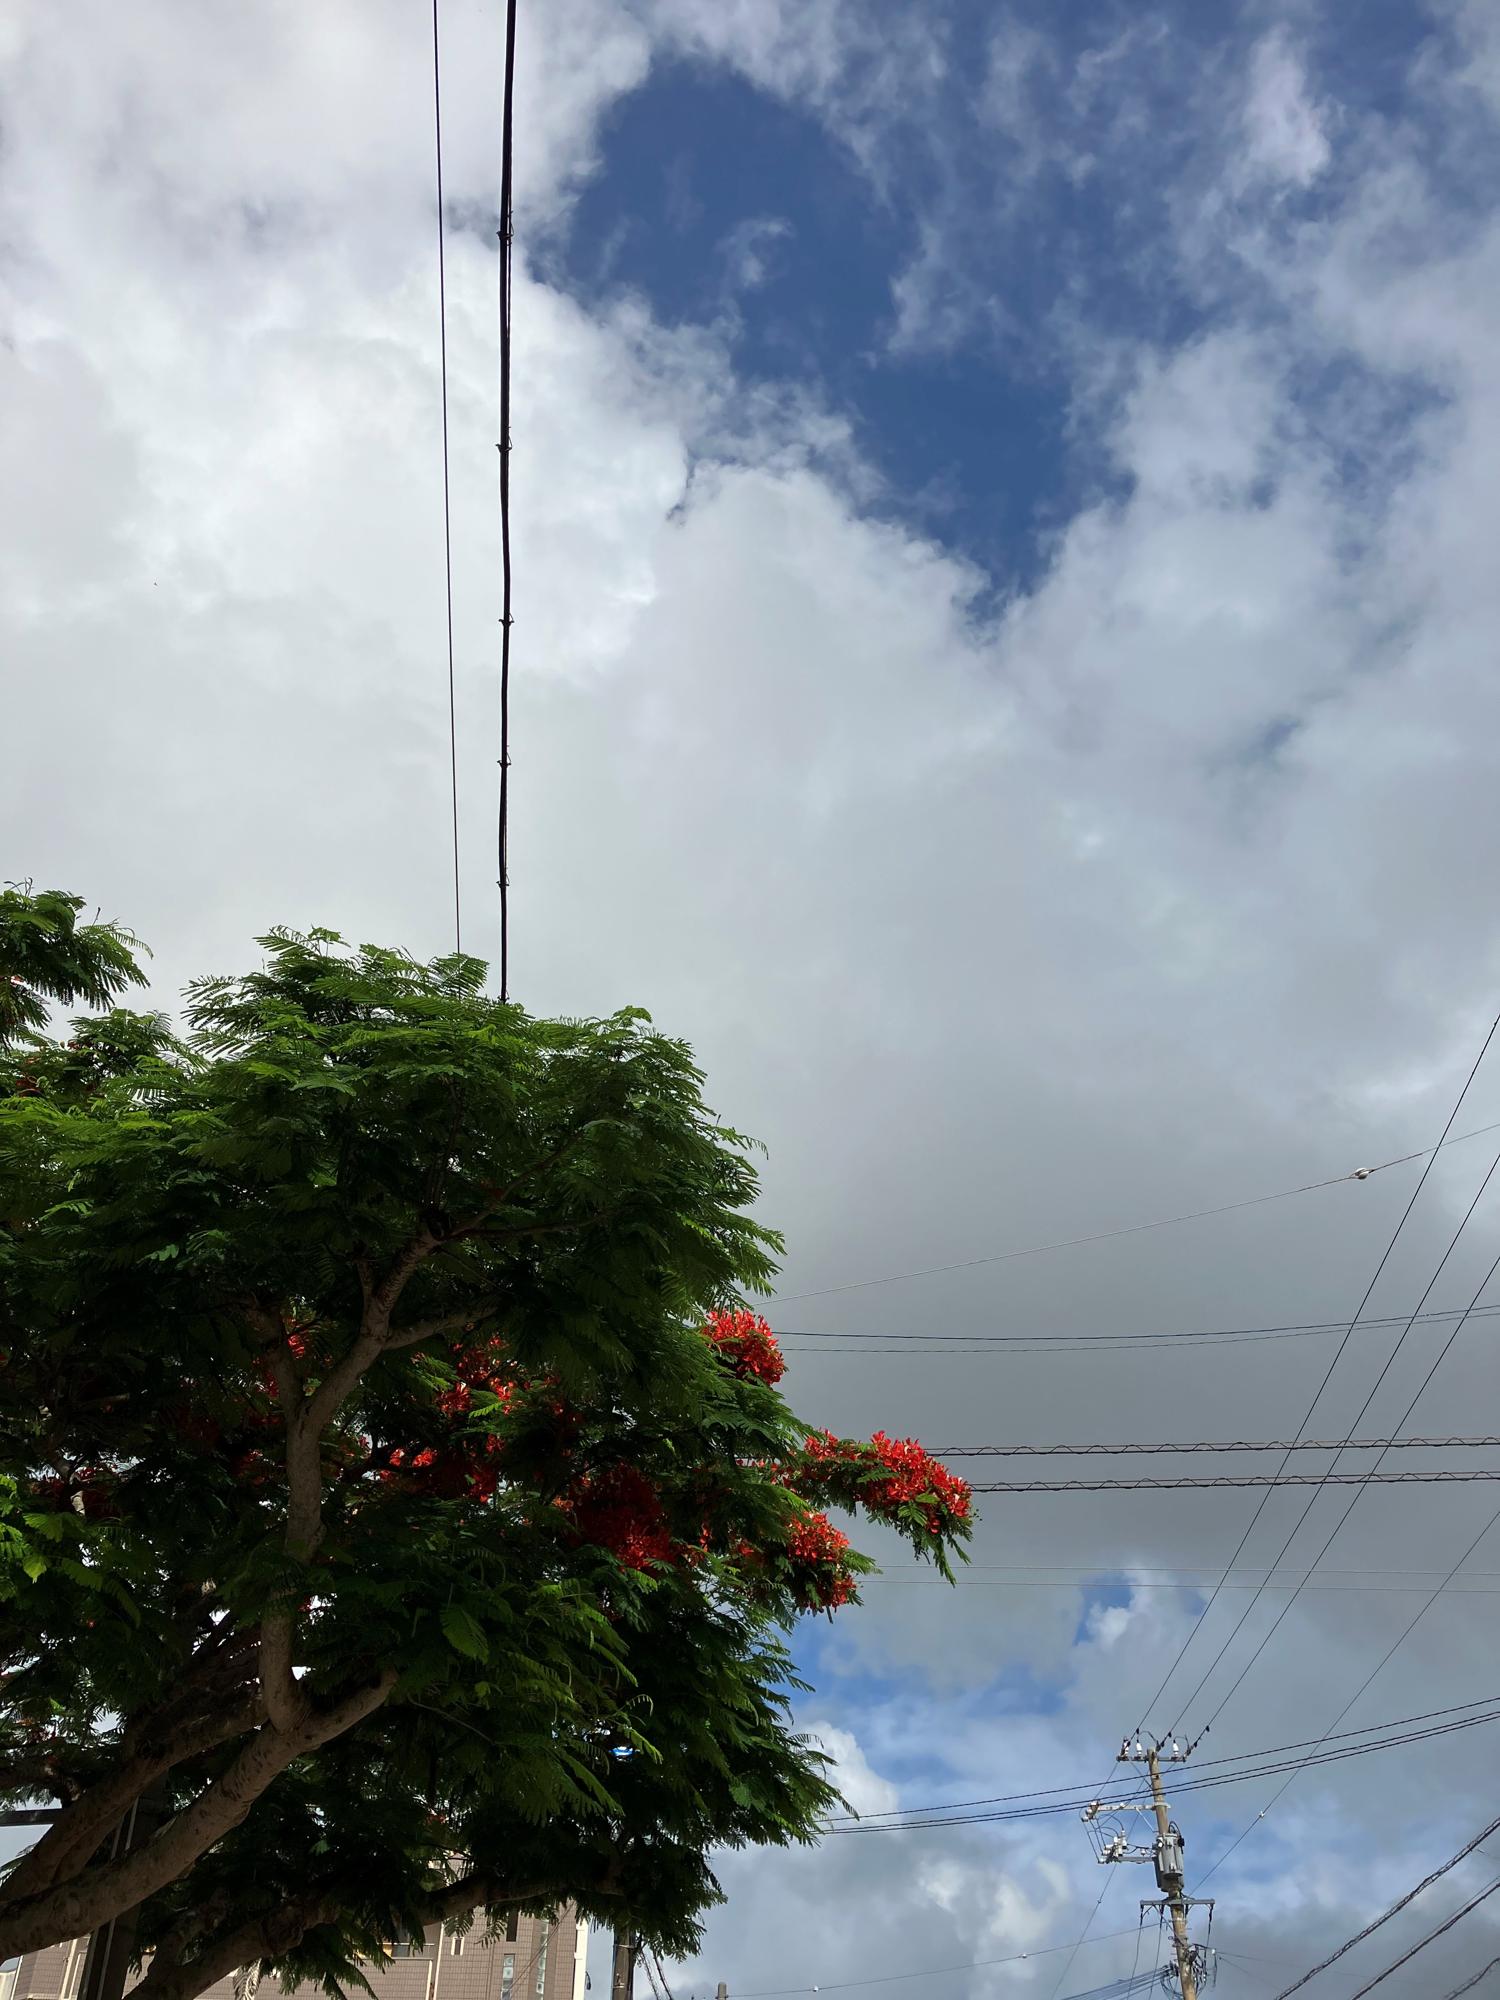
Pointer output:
1004, 663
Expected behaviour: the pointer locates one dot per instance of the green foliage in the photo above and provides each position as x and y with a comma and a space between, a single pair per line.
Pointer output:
46, 956
464, 1255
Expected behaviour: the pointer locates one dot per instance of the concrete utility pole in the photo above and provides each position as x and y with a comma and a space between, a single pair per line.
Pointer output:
107, 1965
1169, 1846
622, 1977
1106, 1822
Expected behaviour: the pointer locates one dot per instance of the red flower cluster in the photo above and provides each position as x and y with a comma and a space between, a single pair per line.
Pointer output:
466, 1466
746, 1345
913, 1474
464, 1470
883, 1476
818, 1551
825, 1452
620, 1510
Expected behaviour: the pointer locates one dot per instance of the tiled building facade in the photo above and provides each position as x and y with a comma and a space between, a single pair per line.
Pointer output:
533, 1960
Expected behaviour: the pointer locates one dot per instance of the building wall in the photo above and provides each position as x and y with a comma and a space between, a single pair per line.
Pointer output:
539, 1962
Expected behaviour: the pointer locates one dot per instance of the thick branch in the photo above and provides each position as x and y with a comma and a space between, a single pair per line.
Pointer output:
208, 1706
172, 1977
384, 1299
40, 1771
67, 1846
104, 1891
458, 1321
285, 1703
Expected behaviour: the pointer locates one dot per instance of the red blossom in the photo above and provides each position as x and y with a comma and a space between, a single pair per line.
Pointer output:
620, 1510
457, 1401
884, 1477
746, 1345
818, 1551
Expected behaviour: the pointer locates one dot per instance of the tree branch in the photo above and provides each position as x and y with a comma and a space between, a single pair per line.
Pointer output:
105, 1890
172, 1976
67, 1847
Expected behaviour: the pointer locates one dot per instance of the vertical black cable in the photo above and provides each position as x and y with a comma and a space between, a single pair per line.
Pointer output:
437, 121
507, 232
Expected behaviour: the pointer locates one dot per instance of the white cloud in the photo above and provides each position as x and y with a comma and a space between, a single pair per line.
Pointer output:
1169, 878
1286, 133
863, 1789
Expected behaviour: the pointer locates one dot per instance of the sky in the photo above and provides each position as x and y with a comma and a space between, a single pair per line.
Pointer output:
1005, 605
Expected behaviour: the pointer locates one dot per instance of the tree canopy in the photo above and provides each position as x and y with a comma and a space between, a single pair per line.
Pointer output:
398, 1509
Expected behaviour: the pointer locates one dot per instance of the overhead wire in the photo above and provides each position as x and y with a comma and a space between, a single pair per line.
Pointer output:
437, 121
1431, 1158
1092, 1580
1139, 1228
1209, 1480
873, 1342
1395, 1910
507, 238
1117, 1989
1203, 1764
926, 1971
931, 1817
1469, 1984
1211, 1446
1390, 1652
1431, 1938
1083, 1936
1373, 1476
1140, 1932
1147, 1576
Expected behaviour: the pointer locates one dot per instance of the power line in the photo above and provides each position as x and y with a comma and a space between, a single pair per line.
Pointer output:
931, 1816
1431, 1938
1205, 1764
1092, 1580
1372, 1476
437, 122
1385, 1258
1208, 1445
507, 236
1118, 1989
1138, 1228
1140, 1932
1068, 1967
1147, 1576
1395, 1910
1266, 1479
1469, 1984
925, 1971
1369, 1678
872, 1341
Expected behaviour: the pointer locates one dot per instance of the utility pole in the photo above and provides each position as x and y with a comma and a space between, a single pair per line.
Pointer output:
622, 1976
1169, 1845
1195, 1964
111, 1948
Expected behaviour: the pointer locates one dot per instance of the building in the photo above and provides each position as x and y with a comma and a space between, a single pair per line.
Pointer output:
532, 1961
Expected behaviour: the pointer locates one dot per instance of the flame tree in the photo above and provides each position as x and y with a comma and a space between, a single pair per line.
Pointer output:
398, 1509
